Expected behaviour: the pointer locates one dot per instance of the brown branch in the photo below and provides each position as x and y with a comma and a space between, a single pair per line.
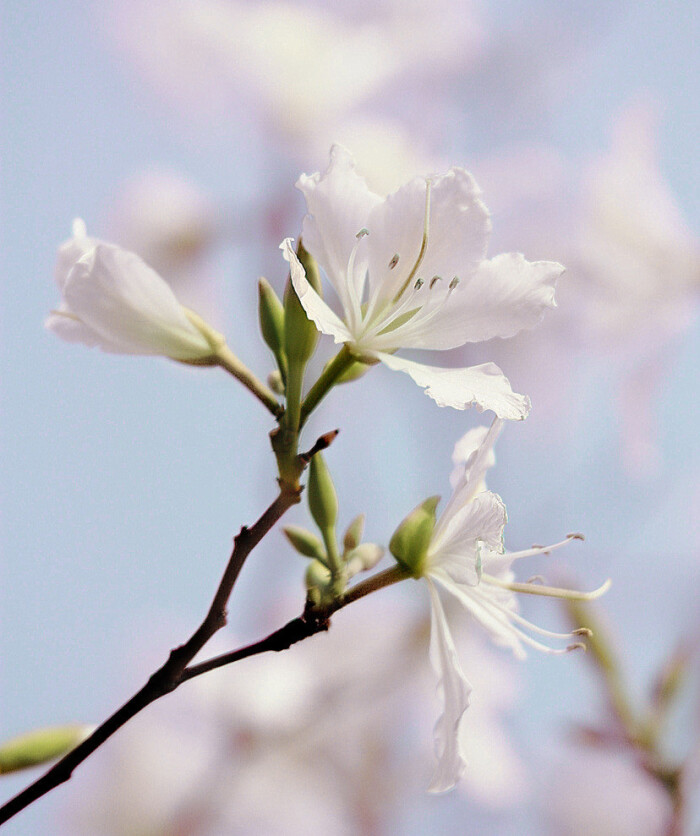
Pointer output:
311, 621
172, 673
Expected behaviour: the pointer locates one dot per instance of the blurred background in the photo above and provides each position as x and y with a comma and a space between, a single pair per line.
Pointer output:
178, 130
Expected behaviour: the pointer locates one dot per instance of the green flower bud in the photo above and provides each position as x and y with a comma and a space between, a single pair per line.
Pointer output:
271, 313
318, 582
300, 334
409, 543
323, 502
306, 543
353, 535
41, 745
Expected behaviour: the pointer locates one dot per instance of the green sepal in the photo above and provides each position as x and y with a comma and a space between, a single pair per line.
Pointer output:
409, 543
37, 747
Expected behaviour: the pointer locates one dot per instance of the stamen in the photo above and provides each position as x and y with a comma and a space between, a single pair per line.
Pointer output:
361, 234
394, 261
549, 591
419, 284
582, 631
576, 646
537, 549
423, 246
454, 282
434, 281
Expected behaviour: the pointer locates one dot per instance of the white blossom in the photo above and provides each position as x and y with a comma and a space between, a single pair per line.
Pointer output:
114, 300
466, 559
410, 272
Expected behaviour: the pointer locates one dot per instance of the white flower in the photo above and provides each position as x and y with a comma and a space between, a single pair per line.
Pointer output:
466, 558
114, 300
410, 272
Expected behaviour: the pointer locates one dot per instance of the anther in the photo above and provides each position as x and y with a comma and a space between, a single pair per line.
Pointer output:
419, 284
577, 646
575, 536
394, 261
582, 631
434, 281
361, 234
454, 282
536, 579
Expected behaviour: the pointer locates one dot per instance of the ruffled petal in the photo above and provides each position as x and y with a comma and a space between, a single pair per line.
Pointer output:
325, 319
338, 204
126, 303
458, 228
484, 386
455, 690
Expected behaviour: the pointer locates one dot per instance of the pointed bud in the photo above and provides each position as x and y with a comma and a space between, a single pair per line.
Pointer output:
39, 746
275, 382
353, 535
306, 543
363, 558
409, 543
271, 313
323, 502
300, 334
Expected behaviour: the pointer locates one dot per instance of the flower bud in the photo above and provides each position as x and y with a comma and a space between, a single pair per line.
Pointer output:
306, 543
409, 543
271, 313
41, 745
300, 334
323, 502
318, 582
353, 535
363, 558
275, 382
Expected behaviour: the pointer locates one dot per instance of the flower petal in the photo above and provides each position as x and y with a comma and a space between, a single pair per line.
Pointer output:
338, 204
66, 325
484, 386
325, 319
126, 303
477, 600
455, 691
505, 295
458, 231
456, 539
71, 250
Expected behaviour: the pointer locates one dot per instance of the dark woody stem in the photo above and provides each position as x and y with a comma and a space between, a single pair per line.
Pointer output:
172, 673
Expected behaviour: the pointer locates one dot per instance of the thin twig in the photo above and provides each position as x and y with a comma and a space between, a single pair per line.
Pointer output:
171, 674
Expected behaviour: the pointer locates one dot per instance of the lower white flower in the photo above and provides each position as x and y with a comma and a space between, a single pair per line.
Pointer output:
114, 300
463, 554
